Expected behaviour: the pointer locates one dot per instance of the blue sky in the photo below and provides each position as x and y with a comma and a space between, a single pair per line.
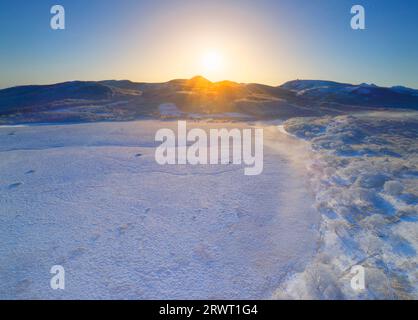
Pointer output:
259, 41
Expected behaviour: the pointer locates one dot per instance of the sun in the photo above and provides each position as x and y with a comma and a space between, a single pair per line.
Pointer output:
212, 63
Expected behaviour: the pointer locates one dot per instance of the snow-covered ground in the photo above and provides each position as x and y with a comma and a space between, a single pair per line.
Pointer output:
335, 192
92, 198
364, 172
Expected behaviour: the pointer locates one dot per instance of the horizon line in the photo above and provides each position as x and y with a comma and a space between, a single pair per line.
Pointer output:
214, 82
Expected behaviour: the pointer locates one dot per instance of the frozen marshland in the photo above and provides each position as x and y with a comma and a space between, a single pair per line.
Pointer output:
92, 198
335, 192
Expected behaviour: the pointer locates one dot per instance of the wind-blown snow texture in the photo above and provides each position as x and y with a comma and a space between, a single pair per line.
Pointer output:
364, 172
91, 197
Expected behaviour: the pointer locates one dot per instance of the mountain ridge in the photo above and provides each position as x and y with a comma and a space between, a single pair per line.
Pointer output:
125, 99
127, 81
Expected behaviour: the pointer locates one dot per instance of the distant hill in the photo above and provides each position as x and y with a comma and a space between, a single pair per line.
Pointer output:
197, 97
360, 95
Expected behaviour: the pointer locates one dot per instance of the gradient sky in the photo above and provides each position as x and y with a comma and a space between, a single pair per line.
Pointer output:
260, 41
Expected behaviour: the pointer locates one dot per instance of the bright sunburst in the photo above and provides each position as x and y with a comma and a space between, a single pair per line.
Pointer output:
212, 63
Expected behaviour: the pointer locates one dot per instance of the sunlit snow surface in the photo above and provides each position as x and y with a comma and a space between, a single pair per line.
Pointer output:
335, 192
92, 198
364, 173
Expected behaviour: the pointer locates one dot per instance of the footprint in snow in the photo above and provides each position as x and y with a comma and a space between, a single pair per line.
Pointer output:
77, 253
122, 229
23, 286
15, 185
94, 238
